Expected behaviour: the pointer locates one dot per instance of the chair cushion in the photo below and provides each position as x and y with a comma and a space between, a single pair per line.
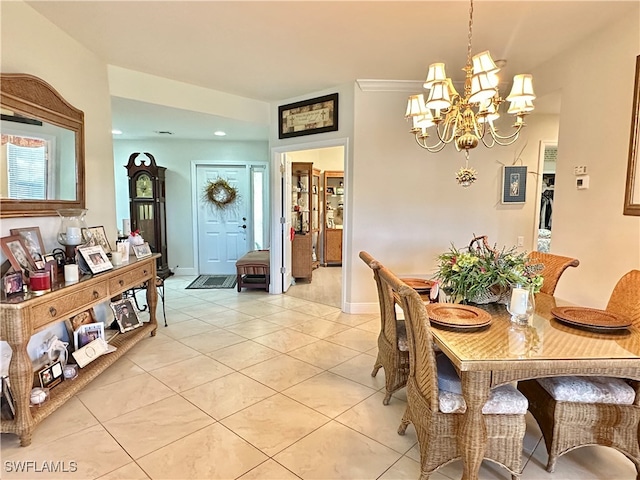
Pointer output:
503, 400
401, 330
589, 389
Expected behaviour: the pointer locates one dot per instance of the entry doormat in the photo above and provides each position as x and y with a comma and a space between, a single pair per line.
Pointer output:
213, 281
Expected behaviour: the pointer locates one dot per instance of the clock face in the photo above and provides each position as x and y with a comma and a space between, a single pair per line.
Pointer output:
143, 186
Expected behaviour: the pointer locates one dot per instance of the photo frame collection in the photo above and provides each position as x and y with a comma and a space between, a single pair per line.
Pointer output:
125, 315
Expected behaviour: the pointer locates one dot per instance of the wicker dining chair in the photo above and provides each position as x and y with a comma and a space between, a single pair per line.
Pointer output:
578, 411
553, 268
434, 401
393, 353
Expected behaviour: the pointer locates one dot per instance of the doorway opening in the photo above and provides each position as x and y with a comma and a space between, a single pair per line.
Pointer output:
548, 154
311, 227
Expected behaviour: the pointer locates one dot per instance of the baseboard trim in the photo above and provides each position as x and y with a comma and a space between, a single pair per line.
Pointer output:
362, 308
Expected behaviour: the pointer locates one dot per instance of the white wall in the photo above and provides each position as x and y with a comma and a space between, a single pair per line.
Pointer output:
330, 158
177, 156
594, 131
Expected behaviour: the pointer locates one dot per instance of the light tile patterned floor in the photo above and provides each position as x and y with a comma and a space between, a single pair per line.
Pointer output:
252, 386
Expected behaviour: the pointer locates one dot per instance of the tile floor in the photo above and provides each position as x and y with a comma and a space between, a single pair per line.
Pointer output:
253, 386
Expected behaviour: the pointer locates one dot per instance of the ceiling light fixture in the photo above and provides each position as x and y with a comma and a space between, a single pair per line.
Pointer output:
468, 119
115, 131
219, 133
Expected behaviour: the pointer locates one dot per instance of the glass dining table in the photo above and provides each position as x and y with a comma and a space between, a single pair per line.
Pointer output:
503, 352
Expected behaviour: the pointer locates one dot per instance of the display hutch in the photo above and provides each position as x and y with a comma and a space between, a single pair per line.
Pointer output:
333, 216
147, 206
305, 218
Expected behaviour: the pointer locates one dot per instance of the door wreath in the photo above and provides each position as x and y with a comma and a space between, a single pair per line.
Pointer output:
220, 194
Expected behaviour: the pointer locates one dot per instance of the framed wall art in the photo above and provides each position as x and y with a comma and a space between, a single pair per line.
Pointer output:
308, 117
514, 184
632, 187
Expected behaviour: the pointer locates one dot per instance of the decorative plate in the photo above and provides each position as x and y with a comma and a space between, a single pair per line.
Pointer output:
591, 318
457, 315
418, 284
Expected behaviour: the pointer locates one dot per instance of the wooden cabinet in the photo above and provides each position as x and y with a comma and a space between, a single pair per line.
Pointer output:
305, 218
147, 206
333, 216
26, 314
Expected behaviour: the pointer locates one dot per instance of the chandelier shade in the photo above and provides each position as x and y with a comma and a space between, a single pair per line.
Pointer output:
467, 120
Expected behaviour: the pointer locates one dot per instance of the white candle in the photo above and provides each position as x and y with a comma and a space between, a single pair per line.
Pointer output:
519, 297
126, 226
73, 236
116, 258
71, 273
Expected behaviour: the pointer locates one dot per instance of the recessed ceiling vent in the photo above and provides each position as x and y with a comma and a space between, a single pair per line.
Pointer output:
164, 132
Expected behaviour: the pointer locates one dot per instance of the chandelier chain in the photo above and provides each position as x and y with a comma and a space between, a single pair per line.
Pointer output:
470, 33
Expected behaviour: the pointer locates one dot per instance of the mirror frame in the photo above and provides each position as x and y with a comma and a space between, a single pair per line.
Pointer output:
631, 205
30, 95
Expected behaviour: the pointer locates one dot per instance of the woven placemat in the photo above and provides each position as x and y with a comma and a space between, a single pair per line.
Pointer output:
591, 317
457, 315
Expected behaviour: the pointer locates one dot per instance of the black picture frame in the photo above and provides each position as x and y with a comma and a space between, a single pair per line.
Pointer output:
514, 184
51, 375
308, 117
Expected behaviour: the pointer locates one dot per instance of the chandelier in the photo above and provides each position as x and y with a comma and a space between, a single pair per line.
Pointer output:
468, 119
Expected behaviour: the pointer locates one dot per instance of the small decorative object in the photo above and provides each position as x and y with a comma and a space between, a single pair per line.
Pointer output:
98, 235
12, 283
90, 352
340, 189
70, 372
135, 238
39, 395
116, 258
40, 282
50, 376
482, 274
123, 247
220, 194
142, 251
56, 350
514, 184
126, 226
466, 176
317, 115
125, 315
71, 273
96, 259
70, 232
521, 303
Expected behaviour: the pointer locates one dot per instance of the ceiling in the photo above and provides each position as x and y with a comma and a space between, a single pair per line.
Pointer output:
272, 51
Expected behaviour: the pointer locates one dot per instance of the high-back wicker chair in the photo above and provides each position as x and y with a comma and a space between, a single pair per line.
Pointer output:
427, 401
393, 354
566, 410
553, 268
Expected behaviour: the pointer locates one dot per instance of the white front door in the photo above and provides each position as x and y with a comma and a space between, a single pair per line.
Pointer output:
223, 234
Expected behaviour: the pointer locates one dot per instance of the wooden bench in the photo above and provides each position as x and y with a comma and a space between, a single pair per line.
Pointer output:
253, 270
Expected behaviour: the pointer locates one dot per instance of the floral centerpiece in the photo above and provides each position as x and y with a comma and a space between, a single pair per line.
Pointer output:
482, 274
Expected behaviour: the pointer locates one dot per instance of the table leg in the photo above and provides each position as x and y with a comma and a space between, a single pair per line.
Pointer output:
152, 299
472, 439
21, 379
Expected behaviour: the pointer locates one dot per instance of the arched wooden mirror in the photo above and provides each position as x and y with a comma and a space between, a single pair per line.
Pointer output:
632, 190
42, 157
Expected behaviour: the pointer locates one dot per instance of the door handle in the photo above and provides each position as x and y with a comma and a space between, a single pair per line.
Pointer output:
242, 226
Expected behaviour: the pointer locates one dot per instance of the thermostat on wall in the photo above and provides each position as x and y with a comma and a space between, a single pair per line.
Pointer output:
582, 182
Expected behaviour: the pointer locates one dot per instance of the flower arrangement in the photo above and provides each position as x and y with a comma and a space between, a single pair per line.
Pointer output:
481, 274
466, 176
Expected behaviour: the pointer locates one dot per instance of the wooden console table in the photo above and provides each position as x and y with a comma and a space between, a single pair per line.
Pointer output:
24, 315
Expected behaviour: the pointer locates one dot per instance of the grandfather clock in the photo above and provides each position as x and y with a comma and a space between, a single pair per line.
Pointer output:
147, 206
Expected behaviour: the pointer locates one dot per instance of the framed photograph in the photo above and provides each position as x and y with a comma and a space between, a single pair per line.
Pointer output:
308, 117
330, 190
142, 251
51, 375
514, 184
632, 186
87, 333
97, 236
126, 315
96, 259
32, 240
17, 253
12, 283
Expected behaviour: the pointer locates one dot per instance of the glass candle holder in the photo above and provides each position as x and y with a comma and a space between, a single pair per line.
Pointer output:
521, 303
70, 232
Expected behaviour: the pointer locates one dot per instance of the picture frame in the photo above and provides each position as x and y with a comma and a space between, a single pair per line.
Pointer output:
96, 259
51, 375
12, 283
97, 236
308, 117
125, 315
141, 251
330, 191
17, 254
7, 403
32, 240
514, 184
632, 185
87, 333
